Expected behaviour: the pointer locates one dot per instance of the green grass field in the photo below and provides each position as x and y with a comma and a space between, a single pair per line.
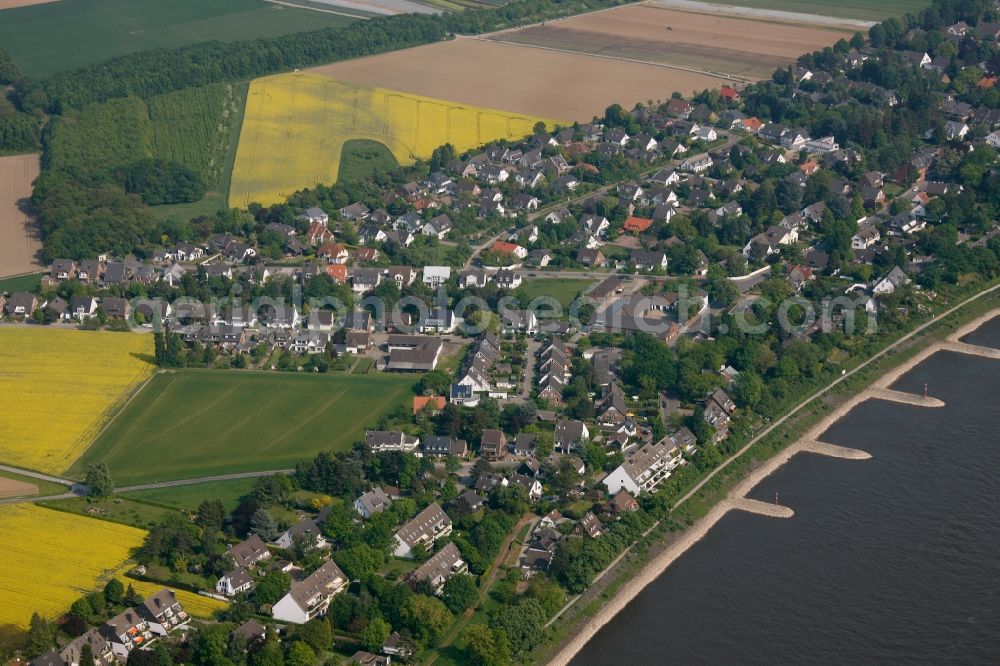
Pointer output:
198, 423
189, 497
21, 283
865, 10
563, 290
117, 510
360, 159
63, 35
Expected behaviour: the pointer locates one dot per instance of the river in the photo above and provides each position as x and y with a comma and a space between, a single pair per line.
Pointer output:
893, 560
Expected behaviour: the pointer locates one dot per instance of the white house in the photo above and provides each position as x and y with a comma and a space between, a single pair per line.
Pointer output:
314, 214
234, 582
697, 163
305, 528
865, 238
646, 468
891, 282
435, 276
374, 501
311, 597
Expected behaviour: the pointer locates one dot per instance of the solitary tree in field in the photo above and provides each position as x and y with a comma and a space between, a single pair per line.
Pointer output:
99, 481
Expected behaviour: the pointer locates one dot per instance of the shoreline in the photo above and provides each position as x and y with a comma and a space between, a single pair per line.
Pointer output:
804, 444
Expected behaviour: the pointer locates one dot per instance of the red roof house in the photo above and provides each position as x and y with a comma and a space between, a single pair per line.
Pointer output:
637, 224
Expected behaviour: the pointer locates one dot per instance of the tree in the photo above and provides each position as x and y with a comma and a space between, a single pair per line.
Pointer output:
427, 618
317, 634
460, 592
749, 388
41, 636
520, 623
12, 639
269, 655
114, 592
435, 382
272, 587
211, 514
210, 646
300, 654
98, 481
374, 636
87, 655
485, 646
263, 525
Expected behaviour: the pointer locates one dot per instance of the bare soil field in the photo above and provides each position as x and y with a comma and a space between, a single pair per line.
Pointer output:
524, 79
19, 241
11, 4
15, 488
742, 47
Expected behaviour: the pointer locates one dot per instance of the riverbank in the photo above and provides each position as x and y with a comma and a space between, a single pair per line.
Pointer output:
809, 441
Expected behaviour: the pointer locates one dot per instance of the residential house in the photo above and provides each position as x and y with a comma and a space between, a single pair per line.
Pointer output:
315, 215
354, 212
374, 501
441, 566
307, 529
390, 440
436, 445
248, 553
645, 468
237, 581
865, 238
570, 433
427, 527
311, 597
493, 444
435, 276
895, 279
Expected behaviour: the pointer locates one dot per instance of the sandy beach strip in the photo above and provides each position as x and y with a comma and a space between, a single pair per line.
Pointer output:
811, 442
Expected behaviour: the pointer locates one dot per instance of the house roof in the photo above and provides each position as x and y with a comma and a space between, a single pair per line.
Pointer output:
440, 565
320, 582
637, 224
422, 525
421, 401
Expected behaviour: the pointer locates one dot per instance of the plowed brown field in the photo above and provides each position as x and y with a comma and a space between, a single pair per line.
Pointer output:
19, 242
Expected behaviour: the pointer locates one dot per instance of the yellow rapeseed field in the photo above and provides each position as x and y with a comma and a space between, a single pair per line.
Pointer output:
195, 604
57, 387
296, 124
50, 558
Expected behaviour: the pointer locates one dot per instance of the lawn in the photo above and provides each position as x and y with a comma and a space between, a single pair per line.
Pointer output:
58, 36
564, 290
865, 10
198, 423
189, 497
116, 510
297, 124
51, 558
57, 387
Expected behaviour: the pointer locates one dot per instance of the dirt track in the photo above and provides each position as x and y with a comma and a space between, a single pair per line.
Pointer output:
524, 79
19, 241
